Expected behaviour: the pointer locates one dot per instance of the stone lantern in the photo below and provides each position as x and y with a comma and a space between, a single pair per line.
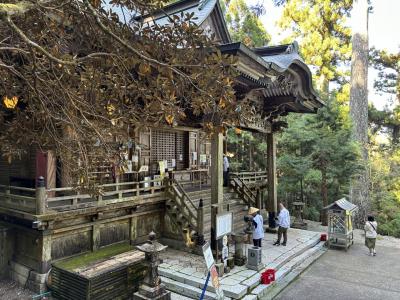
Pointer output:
298, 213
240, 255
152, 288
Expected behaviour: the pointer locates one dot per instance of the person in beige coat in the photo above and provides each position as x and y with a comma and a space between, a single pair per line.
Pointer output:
370, 228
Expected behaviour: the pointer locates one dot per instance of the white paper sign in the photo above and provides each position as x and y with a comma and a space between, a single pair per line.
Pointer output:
224, 224
129, 166
208, 255
144, 169
203, 158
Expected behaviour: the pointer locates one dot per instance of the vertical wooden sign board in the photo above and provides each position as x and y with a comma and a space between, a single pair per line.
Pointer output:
213, 271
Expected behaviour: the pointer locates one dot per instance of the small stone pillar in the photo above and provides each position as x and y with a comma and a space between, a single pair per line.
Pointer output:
41, 199
152, 288
200, 224
240, 255
298, 212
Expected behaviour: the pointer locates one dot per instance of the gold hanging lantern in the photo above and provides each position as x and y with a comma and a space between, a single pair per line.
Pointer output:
10, 103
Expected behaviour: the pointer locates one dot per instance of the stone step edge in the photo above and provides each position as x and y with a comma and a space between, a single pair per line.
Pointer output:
311, 244
197, 282
290, 273
186, 290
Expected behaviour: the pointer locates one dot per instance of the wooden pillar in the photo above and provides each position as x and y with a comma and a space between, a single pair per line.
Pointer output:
200, 223
217, 196
41, 197
95, 237
272, 201
133, 230
7, 239
45, 251
259, 199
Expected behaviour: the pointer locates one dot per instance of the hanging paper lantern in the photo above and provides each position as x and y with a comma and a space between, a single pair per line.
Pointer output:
10, 103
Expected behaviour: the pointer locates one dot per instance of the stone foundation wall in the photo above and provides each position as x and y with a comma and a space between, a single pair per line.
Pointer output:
28, 278
26, 254
6, 249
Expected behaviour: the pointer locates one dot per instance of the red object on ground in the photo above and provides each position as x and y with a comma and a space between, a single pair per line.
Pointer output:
265, 278
268, 276
323, 237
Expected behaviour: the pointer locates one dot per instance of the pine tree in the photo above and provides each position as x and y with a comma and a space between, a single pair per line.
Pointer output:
388, 82
320, 26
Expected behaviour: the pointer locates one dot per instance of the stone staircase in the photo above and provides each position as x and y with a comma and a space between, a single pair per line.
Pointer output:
231, 199
242, 283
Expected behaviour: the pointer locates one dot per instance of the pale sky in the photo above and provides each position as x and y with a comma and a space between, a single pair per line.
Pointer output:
384, 33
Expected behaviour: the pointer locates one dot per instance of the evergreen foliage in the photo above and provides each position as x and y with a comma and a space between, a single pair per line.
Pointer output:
316, 156
249, 151
320, 25
244, 23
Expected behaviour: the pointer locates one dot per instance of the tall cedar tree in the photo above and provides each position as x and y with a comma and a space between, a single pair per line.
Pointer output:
359, 104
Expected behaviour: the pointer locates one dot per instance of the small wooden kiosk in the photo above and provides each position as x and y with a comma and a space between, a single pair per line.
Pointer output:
340, 223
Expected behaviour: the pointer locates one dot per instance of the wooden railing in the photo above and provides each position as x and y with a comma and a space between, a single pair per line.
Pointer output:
39, 201
18, 198
193, 178
68, 198
251, 177
184, 204
243, 190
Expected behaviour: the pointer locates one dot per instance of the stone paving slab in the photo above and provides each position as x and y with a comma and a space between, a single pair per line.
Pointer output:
190, 269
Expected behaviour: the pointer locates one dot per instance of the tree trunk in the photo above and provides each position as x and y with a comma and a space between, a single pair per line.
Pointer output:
396, 135
359, 191
324, 194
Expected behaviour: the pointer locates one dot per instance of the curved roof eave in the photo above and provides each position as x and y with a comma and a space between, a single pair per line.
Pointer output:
301, 66
290, 63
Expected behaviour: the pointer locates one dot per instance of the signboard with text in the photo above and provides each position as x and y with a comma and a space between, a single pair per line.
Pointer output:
224, 224
208, 256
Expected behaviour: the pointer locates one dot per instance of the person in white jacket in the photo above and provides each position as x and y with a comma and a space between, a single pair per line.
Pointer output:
284, 225
370, 228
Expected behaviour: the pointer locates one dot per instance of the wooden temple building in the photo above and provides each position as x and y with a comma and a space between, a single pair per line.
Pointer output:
45, 222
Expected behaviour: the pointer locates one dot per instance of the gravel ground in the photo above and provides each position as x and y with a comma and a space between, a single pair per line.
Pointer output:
9, 290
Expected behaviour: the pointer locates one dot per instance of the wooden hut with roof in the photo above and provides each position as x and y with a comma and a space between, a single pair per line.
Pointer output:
340, 223
46, 221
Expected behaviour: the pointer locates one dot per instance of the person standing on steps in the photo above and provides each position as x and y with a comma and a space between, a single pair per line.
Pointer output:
258, 226
283, 223
226, 170
370, 234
